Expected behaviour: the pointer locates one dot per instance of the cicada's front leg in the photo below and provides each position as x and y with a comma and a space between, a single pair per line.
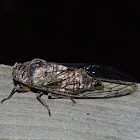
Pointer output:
17, 88
11, 94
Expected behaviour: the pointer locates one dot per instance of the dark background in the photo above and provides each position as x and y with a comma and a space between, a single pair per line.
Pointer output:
101, 32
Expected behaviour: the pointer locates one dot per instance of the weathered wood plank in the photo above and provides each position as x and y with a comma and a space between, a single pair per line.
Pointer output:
23, 117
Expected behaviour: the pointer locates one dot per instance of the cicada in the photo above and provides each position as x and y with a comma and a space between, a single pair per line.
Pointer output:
69, 80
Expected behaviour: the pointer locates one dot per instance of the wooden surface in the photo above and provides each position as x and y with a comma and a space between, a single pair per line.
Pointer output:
24, 118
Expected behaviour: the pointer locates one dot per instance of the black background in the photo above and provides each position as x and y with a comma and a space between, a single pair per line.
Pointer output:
101, 32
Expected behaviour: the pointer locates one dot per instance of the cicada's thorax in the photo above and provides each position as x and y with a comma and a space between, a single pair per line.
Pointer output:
40, 73
26, 72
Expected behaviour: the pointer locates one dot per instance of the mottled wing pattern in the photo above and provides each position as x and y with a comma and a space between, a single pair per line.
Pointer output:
62, 79
115, 83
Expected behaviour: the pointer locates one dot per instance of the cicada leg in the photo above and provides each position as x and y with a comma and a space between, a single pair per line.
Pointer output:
41, 101
11, 94
73, 100
17, 88
49, 95
70, 97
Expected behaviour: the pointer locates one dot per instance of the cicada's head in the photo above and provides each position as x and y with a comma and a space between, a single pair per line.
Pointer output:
20, 72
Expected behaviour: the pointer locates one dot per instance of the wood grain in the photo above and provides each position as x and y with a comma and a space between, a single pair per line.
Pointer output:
24, 118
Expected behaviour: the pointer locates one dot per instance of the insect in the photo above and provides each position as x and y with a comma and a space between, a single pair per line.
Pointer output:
69, 80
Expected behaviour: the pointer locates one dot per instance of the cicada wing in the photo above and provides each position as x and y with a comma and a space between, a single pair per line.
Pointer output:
115, 83
102, 71
111, 89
